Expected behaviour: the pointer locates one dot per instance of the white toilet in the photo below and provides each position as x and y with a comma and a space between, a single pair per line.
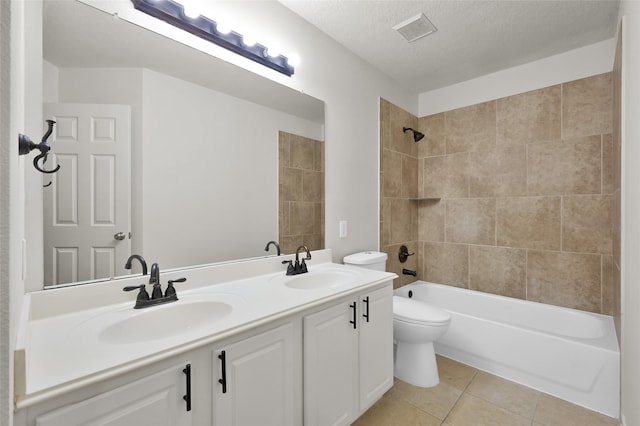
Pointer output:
416, 325
367, 259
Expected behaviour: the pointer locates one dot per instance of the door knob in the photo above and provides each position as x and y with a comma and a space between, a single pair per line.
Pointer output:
119, 236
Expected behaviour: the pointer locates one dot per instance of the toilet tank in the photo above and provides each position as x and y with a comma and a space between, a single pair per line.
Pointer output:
367, 259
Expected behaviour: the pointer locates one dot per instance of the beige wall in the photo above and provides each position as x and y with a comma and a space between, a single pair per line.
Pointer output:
523, 189
301, 192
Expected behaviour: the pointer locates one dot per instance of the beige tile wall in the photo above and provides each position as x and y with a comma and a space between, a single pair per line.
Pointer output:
399, 176
301, 192
527, 186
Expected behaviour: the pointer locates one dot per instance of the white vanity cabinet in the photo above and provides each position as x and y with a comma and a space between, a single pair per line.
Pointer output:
375, 346
257, 379
348, 357
159, 400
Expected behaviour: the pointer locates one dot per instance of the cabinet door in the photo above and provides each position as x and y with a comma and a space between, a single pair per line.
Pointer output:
330, 366
156, 400
376, 345
259, 374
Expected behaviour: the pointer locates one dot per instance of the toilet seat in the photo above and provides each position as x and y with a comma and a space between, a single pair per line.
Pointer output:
418, 312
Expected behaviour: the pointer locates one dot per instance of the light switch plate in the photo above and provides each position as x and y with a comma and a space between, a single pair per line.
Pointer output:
343, 229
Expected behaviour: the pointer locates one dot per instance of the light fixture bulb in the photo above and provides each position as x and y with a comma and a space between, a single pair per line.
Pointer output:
293, 60
248, 40
274, 52
190, 10
223, 28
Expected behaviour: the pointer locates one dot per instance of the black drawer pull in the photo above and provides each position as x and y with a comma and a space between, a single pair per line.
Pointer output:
187, 397
366, 303
353, 306
223, 380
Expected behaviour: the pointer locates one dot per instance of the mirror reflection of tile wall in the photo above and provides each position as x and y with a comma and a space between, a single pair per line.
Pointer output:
301, 192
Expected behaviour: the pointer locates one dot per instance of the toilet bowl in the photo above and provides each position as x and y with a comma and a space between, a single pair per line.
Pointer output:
416, 325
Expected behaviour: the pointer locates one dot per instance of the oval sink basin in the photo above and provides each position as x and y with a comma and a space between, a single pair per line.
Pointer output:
164, 321
319, 280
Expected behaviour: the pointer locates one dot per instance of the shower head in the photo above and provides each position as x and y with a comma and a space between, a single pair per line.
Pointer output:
416, 134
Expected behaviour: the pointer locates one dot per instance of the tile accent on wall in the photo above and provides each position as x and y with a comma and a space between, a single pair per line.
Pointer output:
399, 176
529, 222
446, 263
528, 192
586, 223
471, 128
572, 280
431, 221
529, 117
568, 167
498, 172
471, 221
433, 143
498, 270
301, 192
446, 176
392, 171
587, 106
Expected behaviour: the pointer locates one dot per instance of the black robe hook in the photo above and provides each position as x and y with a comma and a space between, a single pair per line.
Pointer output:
26, 145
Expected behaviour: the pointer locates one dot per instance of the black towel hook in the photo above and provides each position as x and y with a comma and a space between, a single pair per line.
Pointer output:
26, 145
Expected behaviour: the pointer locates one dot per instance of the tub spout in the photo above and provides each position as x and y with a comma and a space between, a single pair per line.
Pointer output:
409, 272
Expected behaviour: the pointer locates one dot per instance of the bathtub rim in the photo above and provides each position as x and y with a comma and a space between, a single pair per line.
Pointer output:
608, 341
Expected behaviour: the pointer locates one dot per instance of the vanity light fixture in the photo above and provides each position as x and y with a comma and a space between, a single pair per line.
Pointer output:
179, 16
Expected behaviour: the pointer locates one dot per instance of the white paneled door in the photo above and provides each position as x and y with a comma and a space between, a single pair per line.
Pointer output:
87, 208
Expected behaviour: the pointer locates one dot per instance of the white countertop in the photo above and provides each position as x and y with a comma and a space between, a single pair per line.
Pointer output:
60, 349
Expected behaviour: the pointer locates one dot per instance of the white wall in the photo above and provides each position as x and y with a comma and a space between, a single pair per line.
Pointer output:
18, 178
575, 64
630, 232
6, 327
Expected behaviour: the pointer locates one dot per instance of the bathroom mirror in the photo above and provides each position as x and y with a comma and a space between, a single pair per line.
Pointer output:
203, 140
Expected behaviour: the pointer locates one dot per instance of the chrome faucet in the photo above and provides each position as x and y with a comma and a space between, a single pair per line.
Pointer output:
139, 259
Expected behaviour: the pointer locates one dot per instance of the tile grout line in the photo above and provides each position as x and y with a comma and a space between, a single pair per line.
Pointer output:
535, 410
460, 396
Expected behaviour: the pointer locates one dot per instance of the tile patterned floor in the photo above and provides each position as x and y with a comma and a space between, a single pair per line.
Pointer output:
470, 397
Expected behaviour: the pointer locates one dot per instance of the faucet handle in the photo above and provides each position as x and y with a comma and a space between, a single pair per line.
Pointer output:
171, 291
142, 295
290, 269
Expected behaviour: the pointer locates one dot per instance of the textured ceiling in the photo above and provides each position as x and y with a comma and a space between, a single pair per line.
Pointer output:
474, 38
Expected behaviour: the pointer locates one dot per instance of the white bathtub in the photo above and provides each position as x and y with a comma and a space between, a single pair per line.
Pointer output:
567, 353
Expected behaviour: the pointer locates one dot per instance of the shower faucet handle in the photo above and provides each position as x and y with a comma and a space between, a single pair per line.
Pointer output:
404, 254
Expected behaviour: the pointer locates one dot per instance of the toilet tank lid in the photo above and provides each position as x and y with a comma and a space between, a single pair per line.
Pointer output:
416, 310
365, 258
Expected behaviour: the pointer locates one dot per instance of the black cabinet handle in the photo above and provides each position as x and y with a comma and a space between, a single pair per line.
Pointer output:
187, 397
353, 306
223, 380
366, 303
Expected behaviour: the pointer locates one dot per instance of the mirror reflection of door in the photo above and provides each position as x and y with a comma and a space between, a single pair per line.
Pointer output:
87, 208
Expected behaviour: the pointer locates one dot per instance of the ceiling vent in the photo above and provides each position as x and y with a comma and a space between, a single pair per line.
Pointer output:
414, 28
